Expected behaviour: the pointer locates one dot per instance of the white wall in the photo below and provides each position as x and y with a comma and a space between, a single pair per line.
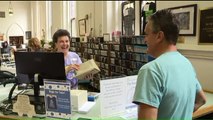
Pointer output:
97, 18
57, 16
203, 64
21, 18
104, 16
85, 8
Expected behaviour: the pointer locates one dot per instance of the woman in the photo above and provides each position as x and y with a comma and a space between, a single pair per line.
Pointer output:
61, 41
34, 45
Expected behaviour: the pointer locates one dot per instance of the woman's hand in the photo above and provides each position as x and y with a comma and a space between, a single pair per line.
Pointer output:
71, 67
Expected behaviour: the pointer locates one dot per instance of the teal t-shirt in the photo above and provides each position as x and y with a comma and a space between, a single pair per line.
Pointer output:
168, 83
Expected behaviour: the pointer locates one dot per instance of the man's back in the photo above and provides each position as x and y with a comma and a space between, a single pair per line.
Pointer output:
172, 86
180, 87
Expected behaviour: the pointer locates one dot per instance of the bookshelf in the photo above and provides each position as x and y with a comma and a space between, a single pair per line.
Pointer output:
128, 56
123, 58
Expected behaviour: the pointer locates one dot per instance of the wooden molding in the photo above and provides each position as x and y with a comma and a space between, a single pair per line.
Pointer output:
203, 111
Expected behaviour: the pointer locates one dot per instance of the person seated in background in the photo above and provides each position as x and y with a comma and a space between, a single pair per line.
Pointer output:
61, 42
7, 49
7, 52
34, 45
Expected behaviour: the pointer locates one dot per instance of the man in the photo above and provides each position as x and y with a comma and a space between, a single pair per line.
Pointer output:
167, 88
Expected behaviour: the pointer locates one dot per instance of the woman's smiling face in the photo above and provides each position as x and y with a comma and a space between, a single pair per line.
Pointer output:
63, 44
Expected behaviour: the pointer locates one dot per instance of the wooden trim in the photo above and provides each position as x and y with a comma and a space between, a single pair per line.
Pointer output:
197, 54
8, 117
209, 91
203, 111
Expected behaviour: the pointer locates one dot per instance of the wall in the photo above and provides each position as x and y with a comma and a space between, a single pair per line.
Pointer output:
57, 10
203, 64
191, 43
21, 18
37, 15
104, 16
47, 17
97, 18
85, 8
200, 55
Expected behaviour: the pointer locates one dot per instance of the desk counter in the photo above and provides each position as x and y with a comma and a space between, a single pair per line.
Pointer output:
94, 113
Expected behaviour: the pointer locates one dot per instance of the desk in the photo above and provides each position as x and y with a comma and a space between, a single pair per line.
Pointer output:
94, 113
207, 108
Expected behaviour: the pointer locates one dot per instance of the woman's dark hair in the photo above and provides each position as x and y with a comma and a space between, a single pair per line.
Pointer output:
164, 20
60, 33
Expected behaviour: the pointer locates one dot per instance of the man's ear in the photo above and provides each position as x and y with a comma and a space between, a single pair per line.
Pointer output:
160, 36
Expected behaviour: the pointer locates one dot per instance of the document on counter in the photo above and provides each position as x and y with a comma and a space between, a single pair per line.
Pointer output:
113, 96
117, 95
130, 90
86, 107
131, 113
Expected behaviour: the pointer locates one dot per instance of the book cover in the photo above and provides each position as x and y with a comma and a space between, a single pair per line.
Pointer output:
87, 67
57, 99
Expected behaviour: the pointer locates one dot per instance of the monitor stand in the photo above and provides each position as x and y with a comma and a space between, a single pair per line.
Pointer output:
37, 100
36, 85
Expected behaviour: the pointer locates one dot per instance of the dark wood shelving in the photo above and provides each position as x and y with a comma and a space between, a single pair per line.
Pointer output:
126, 52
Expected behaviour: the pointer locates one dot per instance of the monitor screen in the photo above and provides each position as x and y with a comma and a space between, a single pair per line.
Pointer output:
49, 65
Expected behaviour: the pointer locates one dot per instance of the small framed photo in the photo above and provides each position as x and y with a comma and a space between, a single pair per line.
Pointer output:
187, 17
82, 27
106, 37
128, 18
2, 14
28, 35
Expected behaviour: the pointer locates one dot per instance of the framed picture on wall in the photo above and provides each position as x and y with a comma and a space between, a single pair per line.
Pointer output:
147, 8
206, 26
106, 37
2, 14
82, 27
28, 35
187, 17
128, 18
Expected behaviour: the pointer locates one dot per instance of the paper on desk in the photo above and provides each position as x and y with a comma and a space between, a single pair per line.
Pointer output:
131, 113
87, 67
113, 96
86, 107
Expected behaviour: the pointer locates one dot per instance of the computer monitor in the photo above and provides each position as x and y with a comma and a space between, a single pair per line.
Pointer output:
48, 65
